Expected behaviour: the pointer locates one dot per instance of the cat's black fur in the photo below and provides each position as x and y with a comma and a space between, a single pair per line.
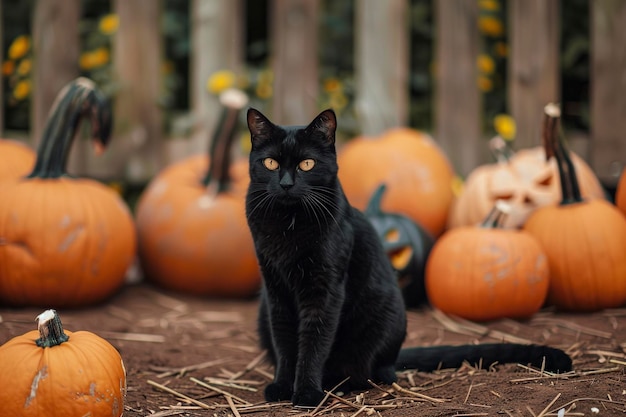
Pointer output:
330, 306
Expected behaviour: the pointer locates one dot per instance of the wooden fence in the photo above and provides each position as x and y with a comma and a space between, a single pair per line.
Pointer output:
381, 73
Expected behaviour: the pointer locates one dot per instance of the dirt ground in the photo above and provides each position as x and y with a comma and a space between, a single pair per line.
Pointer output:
187, 356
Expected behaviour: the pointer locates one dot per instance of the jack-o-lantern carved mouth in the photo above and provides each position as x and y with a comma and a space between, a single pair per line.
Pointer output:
400, 257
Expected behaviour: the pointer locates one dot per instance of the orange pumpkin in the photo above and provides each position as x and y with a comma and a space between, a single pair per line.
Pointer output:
524, 179
193, 235
486, 272
583, 239
16, 159
64, 241
416, 171
52, 372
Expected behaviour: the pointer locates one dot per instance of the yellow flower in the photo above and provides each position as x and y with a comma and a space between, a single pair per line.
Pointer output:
264, 90
332, 85
19, 47
21, 90
489, 5
457, 185
484, 84
505, 126
490, 26
485, 64
24, 67
501, 49
94, 59
109, 24
220, 81
8, 67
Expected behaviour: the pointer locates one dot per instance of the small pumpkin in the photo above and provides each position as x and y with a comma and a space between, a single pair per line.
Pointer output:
193, 235
64, 241
406, 244
52, 372
584, 239
523, 178
16, 159
417, 173
487, 272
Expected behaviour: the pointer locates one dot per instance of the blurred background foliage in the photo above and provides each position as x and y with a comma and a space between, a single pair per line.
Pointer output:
337, 86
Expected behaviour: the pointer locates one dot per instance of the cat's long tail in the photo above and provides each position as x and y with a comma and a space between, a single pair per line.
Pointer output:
441, 357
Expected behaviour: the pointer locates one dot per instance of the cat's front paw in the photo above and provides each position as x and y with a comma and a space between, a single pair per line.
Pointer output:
307, 398
278, 391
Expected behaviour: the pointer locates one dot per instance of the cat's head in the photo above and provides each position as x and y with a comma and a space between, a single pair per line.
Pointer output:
290, 163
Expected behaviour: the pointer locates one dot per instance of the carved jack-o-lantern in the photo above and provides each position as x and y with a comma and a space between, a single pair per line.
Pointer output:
523, 179
406, 243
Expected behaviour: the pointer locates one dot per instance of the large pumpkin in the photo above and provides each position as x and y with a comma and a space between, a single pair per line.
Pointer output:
191, 221
584, 239
523, 178
16, 159
620, 193
64, 241
486, 272
416, 171
52, 372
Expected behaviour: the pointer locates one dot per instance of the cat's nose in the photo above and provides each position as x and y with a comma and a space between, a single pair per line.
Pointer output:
286, 181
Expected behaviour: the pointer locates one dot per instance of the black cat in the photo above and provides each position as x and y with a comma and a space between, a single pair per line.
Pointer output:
330, 306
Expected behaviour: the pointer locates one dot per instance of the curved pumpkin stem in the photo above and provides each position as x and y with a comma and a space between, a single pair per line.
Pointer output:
217, 178
78, 99
373, 207
50, 329
554, 145
495, 218
500, 149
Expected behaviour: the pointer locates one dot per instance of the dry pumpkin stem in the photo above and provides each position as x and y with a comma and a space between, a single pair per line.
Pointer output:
554, 145
501, 150
50, 330
217, 178
78, 99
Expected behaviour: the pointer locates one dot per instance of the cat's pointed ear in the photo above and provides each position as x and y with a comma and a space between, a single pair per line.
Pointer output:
260, 127
326, 124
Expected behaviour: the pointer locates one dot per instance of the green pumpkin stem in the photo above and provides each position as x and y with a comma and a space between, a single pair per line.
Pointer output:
555, 146
50, 330
500, 149
373, 206
217, 178
80, 98
495, 218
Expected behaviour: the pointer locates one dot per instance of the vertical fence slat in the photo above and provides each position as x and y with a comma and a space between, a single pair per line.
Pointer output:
457, 100
56, 48
217, 33
533, 73
608, 102
294, 37
135, 151
382, 64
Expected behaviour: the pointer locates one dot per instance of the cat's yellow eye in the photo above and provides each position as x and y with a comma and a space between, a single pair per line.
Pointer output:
271, 164
306, 165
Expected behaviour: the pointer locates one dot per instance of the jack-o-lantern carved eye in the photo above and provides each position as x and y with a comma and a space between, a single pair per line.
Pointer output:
271, 164
306, 165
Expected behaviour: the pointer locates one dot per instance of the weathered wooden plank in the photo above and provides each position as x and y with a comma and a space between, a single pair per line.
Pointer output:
382, 64
217, 32
533, 72
56, 50
608, 101
294, 36
136, 150
457, 98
